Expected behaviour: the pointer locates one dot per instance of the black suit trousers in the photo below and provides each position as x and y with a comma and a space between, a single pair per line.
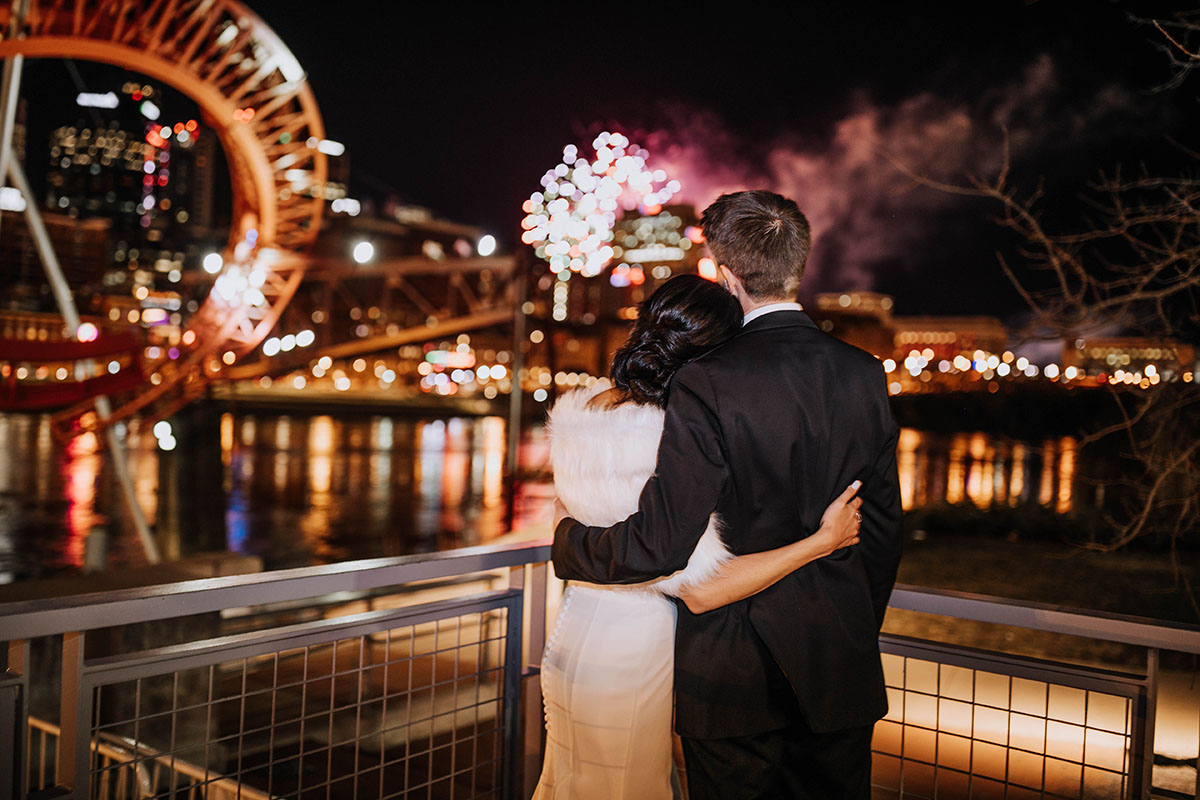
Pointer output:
792, 762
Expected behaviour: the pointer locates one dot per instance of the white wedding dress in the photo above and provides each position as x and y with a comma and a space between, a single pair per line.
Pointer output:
608, 668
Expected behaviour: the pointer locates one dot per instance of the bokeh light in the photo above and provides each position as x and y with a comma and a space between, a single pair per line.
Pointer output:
364, 252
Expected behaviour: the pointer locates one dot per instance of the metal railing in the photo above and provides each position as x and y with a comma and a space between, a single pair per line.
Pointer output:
965, 722
414, 675
411, 692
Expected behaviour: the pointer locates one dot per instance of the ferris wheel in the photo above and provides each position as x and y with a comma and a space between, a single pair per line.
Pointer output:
254, 95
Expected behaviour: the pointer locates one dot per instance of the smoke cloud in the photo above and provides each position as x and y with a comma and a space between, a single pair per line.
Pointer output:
867, 215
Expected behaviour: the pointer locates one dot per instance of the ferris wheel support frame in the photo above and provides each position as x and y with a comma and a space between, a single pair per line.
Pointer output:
66, 306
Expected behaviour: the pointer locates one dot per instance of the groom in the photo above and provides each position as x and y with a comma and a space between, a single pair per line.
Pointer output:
776, 695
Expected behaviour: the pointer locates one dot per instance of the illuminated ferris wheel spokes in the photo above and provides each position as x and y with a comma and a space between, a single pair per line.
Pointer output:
570, 221
255, 95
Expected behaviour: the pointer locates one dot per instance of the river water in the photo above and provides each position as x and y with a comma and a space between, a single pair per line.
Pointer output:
297, 489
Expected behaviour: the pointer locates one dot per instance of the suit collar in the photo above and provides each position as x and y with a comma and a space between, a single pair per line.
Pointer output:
770, 308
779, 319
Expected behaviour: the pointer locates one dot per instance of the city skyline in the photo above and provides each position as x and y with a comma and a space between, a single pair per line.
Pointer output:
465, 123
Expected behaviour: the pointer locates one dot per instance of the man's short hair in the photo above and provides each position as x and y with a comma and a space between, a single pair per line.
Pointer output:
762, 237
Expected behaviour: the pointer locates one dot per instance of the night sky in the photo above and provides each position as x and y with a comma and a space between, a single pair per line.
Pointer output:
462, 111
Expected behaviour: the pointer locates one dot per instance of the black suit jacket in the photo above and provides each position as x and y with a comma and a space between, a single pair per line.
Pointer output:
767, 430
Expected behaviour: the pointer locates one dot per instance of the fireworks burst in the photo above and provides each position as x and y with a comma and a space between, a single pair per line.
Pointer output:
570, 221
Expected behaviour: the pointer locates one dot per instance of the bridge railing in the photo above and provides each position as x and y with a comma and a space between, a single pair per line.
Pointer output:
389, 677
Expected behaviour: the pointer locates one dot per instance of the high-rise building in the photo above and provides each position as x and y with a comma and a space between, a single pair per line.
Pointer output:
123, 160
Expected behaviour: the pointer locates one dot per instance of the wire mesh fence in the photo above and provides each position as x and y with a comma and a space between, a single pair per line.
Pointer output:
962, 725
408, 704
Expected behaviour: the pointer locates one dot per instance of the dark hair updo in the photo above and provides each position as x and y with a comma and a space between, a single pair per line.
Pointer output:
682, 319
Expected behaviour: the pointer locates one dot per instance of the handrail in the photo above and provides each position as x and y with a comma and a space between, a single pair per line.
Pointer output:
1122, 628
26, 619
44, 617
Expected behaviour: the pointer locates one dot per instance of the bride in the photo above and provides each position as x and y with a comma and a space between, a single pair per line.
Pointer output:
607, 671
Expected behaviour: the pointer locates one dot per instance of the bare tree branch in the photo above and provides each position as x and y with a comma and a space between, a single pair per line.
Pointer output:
1134, 260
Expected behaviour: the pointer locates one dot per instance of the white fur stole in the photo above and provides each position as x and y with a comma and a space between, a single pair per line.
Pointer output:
602, 457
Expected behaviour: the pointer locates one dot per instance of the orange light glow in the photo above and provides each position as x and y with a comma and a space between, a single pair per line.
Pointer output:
1016, 486
1046, 485
1066, 474
493, 461
906, 462
956, 474
82, 471
707, 269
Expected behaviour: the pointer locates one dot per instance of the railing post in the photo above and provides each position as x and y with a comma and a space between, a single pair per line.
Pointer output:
538, 578
1197, 793
13, 720
1142, 779
513, 669
532, 715
74, 739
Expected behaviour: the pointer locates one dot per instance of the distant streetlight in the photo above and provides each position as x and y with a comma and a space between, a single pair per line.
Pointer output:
364, 252
486, 246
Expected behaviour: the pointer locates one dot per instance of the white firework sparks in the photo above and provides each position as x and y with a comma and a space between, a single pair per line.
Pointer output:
570, 221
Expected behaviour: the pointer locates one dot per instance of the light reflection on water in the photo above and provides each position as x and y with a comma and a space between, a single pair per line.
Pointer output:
83, 460
298, 490
294, 490
52, 494
360, 487
985, 470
